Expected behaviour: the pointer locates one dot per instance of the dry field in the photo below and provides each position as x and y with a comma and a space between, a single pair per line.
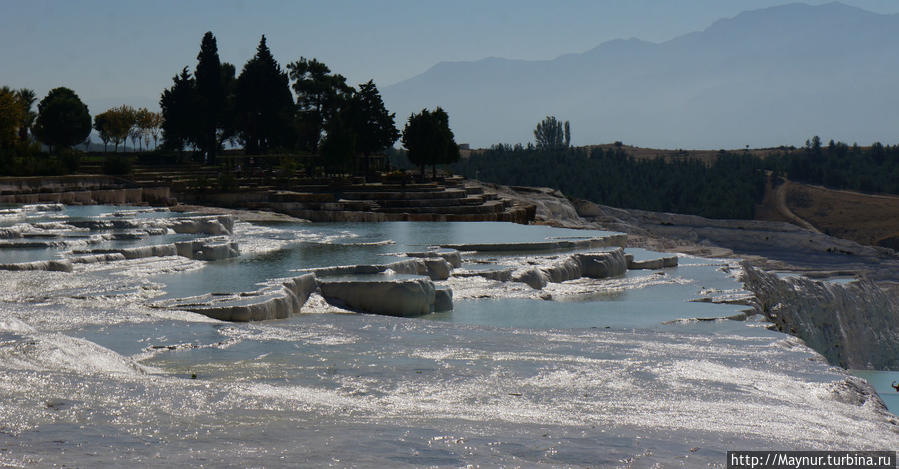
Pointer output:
865, 218
707, 156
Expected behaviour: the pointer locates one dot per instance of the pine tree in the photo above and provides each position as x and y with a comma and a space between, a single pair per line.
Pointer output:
263, 103
320, 96
373, 125
178, 105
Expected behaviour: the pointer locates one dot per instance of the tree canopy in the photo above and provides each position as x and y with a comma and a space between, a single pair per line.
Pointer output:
257, 108
118, 123
429, 140
101, 125
728, 188
375, 127
177, 104
320, 95
552, 134
263, 103
340, 145
210, 97
62, 120
25, 98
10, 117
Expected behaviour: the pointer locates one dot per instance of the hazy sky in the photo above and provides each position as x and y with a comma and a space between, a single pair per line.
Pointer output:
126, 51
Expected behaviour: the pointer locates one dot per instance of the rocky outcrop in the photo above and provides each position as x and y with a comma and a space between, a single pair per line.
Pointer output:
215, 225
409, 267
603, 264
533, 277
776, 245
407, 297
30, 244
550, 206
453, 257
98, 258
273, 302
499, 275
594, 265
434, 268
79, 190
450, 199
208, 249
853, 326
205, 249
438, 269
443, 300
98, 225
613, 240
55, 266
140, 252
660, 263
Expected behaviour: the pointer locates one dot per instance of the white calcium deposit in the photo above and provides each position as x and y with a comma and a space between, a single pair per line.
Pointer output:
100, 368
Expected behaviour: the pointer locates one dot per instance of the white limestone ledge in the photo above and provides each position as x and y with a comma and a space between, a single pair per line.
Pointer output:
276, 301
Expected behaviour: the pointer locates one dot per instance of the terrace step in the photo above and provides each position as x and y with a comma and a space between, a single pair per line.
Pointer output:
489, 207
446, 194
467, 201
290, 196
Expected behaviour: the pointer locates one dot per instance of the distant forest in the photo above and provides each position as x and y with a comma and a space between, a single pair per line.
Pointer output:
729, 187
840, 166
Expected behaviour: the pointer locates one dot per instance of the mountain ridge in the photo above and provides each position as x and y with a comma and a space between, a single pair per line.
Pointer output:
667, 94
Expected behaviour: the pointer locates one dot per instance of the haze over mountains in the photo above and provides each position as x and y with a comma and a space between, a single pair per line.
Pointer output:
768, 77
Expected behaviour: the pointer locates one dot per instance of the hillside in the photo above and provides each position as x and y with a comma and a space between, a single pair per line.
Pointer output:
864, 218
763, 78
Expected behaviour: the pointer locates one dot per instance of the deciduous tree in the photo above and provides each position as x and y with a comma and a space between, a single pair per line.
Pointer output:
26, 98
429, 140
550, 134
156, 127
10, 117
62, 120
101, 125
119, 124
320, 95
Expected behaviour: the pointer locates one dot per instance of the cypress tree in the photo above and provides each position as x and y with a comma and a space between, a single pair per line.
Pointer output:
263, 103
210, 96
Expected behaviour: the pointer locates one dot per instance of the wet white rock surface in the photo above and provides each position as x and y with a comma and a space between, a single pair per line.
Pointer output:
92, 375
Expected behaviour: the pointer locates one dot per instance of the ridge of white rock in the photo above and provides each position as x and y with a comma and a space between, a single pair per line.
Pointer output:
594, 265
399, 297
612, 240
54, 266
853, 326
276, 301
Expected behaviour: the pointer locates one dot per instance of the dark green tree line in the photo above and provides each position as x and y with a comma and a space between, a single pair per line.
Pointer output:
729, 188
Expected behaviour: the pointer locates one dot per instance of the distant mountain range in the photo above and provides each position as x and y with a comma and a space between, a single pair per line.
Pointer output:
769, 77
